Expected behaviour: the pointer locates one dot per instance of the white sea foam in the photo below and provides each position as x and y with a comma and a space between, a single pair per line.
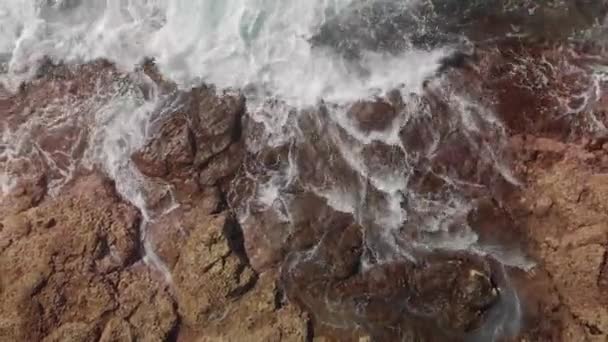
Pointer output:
230, 43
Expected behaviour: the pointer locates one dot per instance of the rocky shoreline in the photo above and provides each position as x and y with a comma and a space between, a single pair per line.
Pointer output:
72, 256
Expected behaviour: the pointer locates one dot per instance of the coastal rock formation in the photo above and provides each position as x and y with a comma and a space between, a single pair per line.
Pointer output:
562, 211
69, 271
72, 261
518, 160
195, 146
50, 121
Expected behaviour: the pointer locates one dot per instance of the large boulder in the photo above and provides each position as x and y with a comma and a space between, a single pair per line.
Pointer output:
197, 145
438, 296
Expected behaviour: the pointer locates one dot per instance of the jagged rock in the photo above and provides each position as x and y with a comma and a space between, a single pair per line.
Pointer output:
147, 306
218, 294
260, 317
570, 237
197, 145
222, 166
76, 249
77, 332
199, 239
222, 275
170, 232
442, 296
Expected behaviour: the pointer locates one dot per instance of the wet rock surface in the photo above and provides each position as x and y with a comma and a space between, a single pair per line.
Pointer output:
516, 160
48, 120
400, 300
196, 145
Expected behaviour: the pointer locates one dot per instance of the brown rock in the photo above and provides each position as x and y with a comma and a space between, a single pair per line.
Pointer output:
258, 317
70, 261
372, 115
116, 330
221, 166
77, 332
170, 232
191, 148
222, 275
170, 151
28, 193
570, 240
60, 272
147, 307
444, 296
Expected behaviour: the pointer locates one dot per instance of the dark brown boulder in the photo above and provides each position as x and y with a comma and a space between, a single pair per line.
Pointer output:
196, 145
448, 293
372, 115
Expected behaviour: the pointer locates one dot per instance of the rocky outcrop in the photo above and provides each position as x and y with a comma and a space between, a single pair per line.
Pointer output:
224, 298
197, 149
196, 146
69, 271
50, 121
443, 297
562, 211
72, 260
314, 263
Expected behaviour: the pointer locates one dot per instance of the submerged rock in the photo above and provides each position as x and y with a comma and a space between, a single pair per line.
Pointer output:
441, 296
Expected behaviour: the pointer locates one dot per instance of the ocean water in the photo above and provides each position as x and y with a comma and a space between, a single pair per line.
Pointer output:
232, 44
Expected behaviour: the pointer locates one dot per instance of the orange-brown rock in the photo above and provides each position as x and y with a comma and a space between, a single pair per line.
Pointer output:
563, 211
259, 315
218, 295
67, 270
